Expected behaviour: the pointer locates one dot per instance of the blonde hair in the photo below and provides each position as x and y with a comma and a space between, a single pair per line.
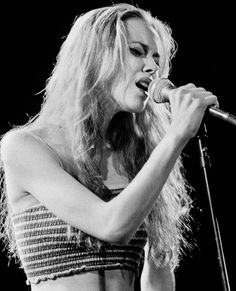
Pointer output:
90, 58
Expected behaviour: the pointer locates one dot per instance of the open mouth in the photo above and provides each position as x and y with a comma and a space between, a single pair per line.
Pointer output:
143, 85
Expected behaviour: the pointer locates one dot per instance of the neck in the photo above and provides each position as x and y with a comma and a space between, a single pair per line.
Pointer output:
111, 108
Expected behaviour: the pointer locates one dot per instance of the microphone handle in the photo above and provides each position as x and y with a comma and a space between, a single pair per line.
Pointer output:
164, 90
217, 112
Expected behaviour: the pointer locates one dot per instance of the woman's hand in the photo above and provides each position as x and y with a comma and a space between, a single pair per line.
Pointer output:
188, 105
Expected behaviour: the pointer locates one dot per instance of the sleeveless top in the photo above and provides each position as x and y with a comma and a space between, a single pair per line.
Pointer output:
46, 251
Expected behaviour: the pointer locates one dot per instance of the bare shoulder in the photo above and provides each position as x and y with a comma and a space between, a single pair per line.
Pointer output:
21, 153
19, 146
8, 142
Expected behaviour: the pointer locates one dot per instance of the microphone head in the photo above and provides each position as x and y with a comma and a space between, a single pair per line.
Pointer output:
155, 89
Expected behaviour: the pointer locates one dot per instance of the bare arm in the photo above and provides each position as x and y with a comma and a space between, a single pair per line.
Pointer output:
36, 169
129, 209
154, 278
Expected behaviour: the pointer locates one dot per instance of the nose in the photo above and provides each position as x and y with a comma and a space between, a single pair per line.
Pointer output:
150, 66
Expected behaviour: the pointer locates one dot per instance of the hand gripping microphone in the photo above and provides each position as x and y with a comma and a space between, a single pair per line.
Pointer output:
159, 90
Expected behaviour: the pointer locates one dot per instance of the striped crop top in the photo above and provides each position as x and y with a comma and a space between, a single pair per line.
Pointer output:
47, 252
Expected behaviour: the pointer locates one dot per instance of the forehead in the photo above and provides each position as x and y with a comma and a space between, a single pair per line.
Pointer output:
137, 30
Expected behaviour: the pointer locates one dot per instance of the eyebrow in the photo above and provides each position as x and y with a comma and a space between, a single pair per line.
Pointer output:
146, 48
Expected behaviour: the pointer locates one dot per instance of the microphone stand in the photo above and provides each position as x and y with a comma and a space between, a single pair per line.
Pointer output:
205, 163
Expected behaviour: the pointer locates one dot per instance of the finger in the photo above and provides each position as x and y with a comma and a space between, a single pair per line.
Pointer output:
188, 86
195, 91
212, 100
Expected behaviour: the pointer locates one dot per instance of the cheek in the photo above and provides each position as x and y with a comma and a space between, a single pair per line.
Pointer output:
118, 93
121, 96
134, 64
123, 87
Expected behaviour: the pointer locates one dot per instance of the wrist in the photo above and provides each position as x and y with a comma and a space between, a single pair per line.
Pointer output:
177, 137
174, 140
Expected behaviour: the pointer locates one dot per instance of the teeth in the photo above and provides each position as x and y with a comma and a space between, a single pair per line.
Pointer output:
142, 85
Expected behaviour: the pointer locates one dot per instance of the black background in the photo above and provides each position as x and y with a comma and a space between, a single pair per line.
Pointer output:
31, 37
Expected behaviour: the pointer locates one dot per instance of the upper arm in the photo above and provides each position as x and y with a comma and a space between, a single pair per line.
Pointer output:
156, 278
34, 167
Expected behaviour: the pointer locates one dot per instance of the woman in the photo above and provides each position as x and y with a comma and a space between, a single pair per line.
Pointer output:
96, 176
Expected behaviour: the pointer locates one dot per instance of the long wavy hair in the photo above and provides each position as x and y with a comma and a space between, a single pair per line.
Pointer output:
90, 58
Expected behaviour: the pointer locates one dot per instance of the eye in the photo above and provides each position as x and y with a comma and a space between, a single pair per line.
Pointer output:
157, 61
137, 52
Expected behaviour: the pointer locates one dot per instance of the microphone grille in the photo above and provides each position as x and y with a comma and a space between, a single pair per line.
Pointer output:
155, 88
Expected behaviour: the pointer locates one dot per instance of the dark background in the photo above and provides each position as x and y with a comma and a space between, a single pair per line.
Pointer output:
31, 37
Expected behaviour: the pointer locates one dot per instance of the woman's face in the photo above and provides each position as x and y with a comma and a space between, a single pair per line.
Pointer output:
130, 91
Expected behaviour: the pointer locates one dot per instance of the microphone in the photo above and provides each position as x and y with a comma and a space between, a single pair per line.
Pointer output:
159, 90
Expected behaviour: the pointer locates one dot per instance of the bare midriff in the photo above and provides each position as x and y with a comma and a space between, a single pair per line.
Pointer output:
110, 280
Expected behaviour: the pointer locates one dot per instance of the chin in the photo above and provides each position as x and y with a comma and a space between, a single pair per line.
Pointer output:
136, 104
137, 109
